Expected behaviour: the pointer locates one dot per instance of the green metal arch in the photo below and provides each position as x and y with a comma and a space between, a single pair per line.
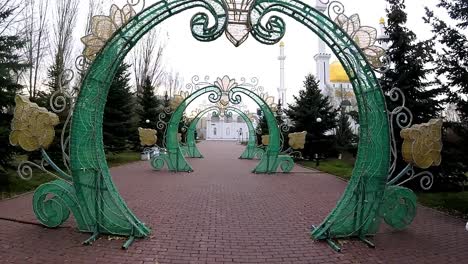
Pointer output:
251, 150
190, 149
174, 158
101, 208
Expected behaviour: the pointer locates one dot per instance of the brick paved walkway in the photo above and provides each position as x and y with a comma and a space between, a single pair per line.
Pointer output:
223, 214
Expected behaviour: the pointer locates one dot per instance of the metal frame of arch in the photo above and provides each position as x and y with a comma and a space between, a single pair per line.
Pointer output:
251, 151
94, 200
173, 157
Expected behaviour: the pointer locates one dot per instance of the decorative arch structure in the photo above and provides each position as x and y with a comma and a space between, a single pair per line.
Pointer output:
91, 195
251, 151
224, 91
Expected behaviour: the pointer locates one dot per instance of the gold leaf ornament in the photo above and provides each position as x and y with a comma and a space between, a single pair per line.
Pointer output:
364, 36
422, 144
297, 140
32, 127
103, 28
147, 136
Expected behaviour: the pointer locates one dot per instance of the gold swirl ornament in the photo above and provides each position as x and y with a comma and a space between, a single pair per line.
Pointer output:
422, 144
32, 127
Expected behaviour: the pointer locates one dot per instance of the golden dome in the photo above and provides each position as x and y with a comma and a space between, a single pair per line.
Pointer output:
338, 73
281, 44
382, 21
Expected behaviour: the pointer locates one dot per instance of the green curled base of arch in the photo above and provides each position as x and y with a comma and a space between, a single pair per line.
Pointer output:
94, 200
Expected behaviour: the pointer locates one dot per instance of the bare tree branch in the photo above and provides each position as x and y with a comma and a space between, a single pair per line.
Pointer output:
147, 60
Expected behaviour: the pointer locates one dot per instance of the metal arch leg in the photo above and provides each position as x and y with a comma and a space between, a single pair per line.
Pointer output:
94, 237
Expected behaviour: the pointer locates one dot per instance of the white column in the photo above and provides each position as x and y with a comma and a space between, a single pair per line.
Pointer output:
322, 59
282, 88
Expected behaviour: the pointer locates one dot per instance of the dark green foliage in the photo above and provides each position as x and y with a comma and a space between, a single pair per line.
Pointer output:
452, 67
408, 72
149, 107
452, 62
262, 127
119, 126
344, 135
9, 65
309, 106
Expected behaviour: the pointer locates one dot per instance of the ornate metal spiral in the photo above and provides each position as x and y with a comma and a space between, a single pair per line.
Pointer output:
201, 29
399, 207
286, 165
401, 114
134, 3
81, 64
214, 97
335, 8
56, 210
158, 162
272, 32
25, 170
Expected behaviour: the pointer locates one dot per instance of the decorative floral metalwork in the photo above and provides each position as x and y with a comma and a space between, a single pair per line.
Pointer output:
32, 126
238, 28
147, 136
104, 27
422, 144
364, 36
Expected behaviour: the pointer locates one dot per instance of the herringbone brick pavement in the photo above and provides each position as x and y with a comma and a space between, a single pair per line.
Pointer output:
221, 213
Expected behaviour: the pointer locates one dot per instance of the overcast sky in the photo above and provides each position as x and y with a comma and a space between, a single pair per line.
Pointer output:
216, 59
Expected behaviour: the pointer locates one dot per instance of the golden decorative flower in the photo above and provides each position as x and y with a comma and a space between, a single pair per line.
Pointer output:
225, 84
103, 27
266, 140
32, 127
270, 101
365, 37
297, 140
147, 136
422, 144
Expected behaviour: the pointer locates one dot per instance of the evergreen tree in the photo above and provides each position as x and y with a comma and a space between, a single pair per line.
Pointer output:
408, 71
9, 64
452, 62
118, 125
344, 135
313, 113
452, 65
149, 108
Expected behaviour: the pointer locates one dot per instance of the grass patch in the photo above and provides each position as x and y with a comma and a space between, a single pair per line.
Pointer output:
455, 203
340, 168
122, 158
18, 186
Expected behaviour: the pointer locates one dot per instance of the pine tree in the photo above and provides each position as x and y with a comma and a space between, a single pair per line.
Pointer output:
452, 62
452, 66
149, 108
408, 71
312, 112
9, 64
344, 135
118, 125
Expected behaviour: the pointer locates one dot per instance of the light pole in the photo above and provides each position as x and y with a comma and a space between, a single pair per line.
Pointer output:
317, 158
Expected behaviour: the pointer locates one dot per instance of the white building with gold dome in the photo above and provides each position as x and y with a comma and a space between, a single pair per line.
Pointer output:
332, 77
